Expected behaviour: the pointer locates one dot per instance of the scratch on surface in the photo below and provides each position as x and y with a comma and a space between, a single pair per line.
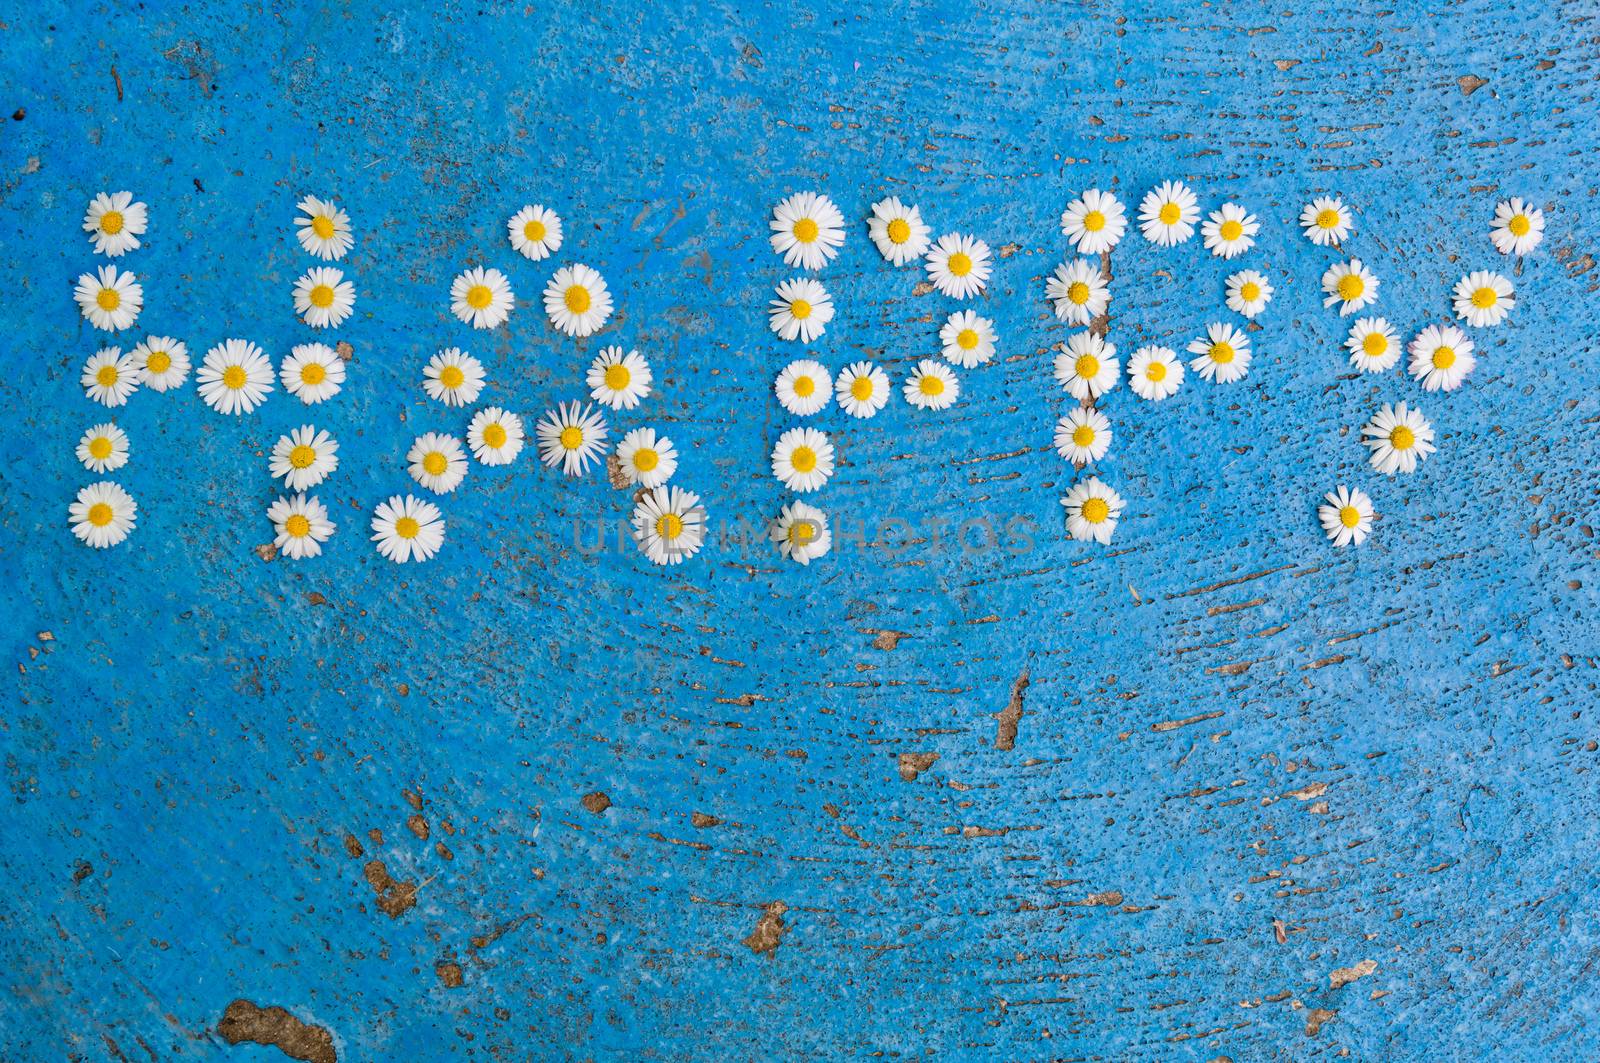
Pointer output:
1173, 725
276, 1028
1234, 582
1006, 733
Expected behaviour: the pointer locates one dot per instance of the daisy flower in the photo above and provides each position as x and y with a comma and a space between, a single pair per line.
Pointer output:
801, 532
958, 265
669, 524
1092, 510
453, 377
535, 232
1094, 222
324, 229
807, 230
300, 526
898, 230
323, 298
1248, 293
103, 448
802, 310
407, 529
103, 514
163, 362
1373, 344
111, 300
968, 339
114, 223
1441, 357
1518, 227
619, 380
571, 436
1087, 366
1230, 231
234, 377
802, 460
1399, 438
313, 372
1483, 299
577, 300
646, 459
1079, 291
304, 458
1224, 354
437, 462
1154, 373
482, 297
1168, 212
804, 387
1326, 220
109, 376
862, 389
1351, 285
932, 386
1346, 515
495, 436
1083, 435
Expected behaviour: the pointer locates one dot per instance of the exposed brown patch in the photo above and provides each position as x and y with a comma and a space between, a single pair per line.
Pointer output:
914, 764
394, 896
1107, 899
1471, 83
700, 819
267, 551
276, 1028
596, 802
1005, 736
352, 845
417, 823
1315, 1018
614, 472
888, 640
449, 974
344, 350
769, 931
1345, 975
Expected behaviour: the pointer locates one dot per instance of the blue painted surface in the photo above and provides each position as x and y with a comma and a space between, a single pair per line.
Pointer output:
1394, 751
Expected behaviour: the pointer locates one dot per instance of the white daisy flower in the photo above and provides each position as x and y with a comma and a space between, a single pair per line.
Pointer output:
163, 362
407, 529
300, 526
1154, 373
109, 298
571, 436
1248, 293
1083, 435
1441, 357
1350, 285
958, 265
1399, 438
313, 372
109, 376
619, 380
577, 300
482, 297
1093, 509
323, 228
807, 230
535, 232
1230, 231
1373, 344
898, 230
1483, 299
1094, 222
437, 462
669, 524
495, 436
968, 339
1087, 366
1224, 354
304, 458
646, 459
804, 387
802, 310
323, 298
802, 460
1168, 212
1326, 221
103, 448
453, 377
114, 223
1518, 227
931, 386
862, 389
234, 377
801, 532
103, 514
1079, 291
1346, 515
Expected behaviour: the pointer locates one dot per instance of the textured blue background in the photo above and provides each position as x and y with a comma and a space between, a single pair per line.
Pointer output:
1245, 760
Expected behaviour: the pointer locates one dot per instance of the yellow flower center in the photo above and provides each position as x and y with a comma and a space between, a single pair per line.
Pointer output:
804, 459
1349, 516
494, 435
617, 376
407, 527
804, 386
1156, 371
1083, 435
799, 309
1374, 344
1095, 510
322, 295
1519, 225
645, 459
1169, 213
479, 296
899, 230
1078, 293
1230, 230
931, 385
1221, 353
1249, 291
435, 463
322, 225
805, 230
111, 222
578, 299
1402, 438
298, 525
802, 532
313, 373
452, 377
108, 298
1087, 366
107, 376
1351, 286
533, 230
158, 362
572, 437
967, 339
959, 264
669, 525
861, 388
1444, 357
100, 448
1327, 218
1094, 221
302, 456
99, 514
234, 377
1484, 298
